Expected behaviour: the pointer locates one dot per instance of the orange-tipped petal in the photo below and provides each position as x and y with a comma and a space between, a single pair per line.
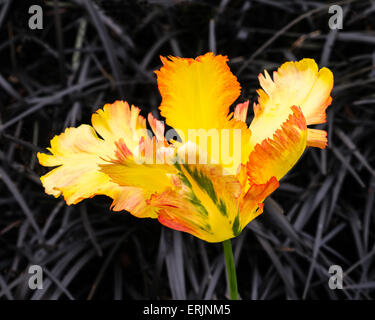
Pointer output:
240, 111
196, 97
78, 153
196, 93
294, 84
317, 138
179, 220
133, 200
252, 202
299, 83
275, 157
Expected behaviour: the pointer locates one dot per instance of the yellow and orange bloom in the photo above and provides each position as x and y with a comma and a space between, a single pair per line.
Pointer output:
165, 178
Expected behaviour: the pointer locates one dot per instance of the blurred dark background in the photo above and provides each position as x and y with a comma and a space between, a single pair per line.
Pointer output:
89, 53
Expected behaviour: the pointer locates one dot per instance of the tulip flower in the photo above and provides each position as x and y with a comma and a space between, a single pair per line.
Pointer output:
212, 177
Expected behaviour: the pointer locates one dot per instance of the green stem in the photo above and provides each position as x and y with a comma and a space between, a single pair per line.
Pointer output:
231, 269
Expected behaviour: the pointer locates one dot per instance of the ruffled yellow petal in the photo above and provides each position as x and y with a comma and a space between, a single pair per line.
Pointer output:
78, 153
196, 97
299, 84
119, 121
275, 157
196, 93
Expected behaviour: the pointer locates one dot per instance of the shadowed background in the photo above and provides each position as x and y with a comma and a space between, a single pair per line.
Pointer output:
94, 52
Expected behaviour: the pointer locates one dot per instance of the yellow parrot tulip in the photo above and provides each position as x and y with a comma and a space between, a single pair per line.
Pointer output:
212, 181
